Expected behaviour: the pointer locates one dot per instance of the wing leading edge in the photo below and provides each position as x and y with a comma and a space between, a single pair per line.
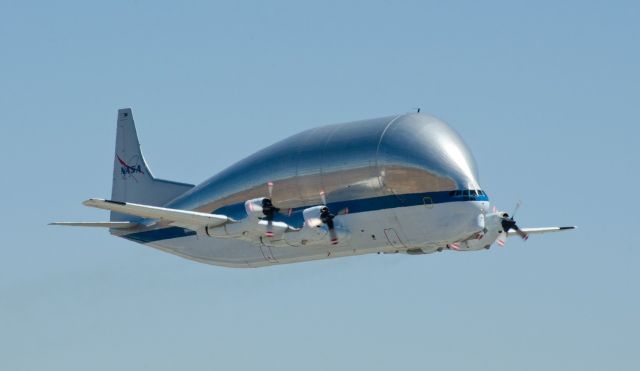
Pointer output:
181, 218
540, 230
115, 225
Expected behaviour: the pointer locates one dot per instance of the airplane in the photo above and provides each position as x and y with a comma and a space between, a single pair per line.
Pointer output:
399, 184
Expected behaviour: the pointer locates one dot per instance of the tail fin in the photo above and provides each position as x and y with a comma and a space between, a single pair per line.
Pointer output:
132, 179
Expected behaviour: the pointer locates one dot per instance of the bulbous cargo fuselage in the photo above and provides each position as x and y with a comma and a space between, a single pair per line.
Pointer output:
390, 156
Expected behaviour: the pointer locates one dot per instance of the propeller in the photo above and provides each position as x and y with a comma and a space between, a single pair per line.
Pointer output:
508, 223
327, 218
269, 210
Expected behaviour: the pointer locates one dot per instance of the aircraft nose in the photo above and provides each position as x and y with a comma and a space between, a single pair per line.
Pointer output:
477, 211
480, 221
475, 216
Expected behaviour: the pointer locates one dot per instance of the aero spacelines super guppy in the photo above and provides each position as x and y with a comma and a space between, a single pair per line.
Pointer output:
397, 184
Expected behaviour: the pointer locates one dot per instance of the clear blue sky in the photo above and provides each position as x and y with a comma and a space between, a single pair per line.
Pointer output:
546, 93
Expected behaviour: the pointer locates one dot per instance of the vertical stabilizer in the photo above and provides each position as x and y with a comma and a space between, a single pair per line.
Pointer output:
132, 178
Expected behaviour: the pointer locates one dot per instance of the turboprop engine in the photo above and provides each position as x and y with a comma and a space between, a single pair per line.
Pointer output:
321, 215
264, 211
496, 229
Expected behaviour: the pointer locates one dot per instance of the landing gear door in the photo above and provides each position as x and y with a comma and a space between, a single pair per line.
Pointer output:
267, 252
393, 239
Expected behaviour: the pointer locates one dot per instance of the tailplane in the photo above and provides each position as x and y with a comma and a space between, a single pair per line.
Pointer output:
132, 178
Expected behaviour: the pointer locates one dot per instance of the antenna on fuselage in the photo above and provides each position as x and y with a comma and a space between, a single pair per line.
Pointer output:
417, 109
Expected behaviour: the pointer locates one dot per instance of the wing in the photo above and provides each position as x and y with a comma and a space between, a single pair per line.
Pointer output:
181, 218
115, 225
540, 230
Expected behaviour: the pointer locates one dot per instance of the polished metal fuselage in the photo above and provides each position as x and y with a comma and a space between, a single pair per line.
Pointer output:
391, 158
394, 155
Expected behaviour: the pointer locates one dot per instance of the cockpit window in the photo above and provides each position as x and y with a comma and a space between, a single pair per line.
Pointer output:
468, 194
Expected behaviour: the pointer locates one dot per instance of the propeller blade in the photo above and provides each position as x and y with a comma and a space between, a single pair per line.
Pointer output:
520, 233
269, 212
327, 218
515, 209
269, 231
270, 188
502, 239
334, 236
323, 197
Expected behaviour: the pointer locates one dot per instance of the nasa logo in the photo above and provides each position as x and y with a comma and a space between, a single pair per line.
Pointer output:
126, 169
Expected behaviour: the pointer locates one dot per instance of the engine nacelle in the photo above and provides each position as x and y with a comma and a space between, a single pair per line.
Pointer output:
248, 229
253, 207
311, 216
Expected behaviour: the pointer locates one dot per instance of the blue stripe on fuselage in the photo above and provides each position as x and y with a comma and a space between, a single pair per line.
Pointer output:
237, 211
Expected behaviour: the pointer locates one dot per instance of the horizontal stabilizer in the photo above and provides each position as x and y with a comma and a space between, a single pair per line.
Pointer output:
182, 218
540, 230
115, 225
